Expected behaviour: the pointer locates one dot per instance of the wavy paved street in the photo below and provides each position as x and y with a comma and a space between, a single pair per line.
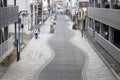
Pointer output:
69, 60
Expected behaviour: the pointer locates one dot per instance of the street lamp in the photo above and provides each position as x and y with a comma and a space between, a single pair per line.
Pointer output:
18, 38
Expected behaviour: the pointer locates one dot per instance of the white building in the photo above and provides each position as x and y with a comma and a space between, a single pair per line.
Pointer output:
45, 9
25, 5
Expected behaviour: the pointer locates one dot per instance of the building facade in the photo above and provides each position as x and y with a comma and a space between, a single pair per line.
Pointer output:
77, 6
43, 10
39, 11
8, 15
104, 25
31, 19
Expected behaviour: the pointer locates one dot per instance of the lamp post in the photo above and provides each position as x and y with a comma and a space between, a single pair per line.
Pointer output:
18, 37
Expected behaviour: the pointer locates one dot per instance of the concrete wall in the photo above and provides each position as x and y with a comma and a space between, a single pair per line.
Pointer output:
109, 17
90, 31
113, 50
11, 28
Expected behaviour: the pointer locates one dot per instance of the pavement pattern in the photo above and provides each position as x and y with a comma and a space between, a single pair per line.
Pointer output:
64, 60
69, 60
34, 57
94, 68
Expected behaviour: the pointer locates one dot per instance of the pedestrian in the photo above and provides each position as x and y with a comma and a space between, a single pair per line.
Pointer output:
36, 33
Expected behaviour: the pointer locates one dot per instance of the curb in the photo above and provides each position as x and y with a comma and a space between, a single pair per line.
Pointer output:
85, 67
36, 75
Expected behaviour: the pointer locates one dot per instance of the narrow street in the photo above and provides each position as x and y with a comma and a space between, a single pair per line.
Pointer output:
60, 40
69, 60
58, 56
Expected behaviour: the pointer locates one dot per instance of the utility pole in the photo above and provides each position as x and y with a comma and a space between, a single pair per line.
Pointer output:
18, 37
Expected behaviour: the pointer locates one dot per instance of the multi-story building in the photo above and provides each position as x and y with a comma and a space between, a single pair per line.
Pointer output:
83, 3
31, 19
104, 25
39, 10
8, 16
43, 9
76, 5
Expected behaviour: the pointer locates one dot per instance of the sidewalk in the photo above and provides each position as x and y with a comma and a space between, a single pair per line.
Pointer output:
94, 68
105, 56
33, 57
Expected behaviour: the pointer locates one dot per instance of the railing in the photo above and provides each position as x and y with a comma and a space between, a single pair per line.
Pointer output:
6, 46
8, 15
112, 49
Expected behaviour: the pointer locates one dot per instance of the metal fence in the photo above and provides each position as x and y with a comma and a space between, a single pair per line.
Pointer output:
6, 46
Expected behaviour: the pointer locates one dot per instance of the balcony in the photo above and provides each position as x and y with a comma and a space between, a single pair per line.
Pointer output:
109, 17
8, 15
